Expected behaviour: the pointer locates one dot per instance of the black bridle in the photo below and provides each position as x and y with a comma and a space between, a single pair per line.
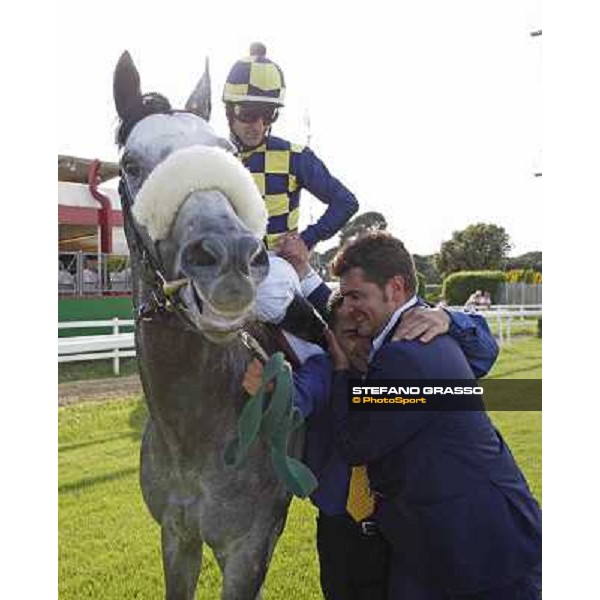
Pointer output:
163, 297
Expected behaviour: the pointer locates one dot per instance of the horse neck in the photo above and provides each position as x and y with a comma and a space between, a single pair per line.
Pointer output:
192, 386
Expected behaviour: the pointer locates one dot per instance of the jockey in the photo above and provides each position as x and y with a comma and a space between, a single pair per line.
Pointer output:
253, 94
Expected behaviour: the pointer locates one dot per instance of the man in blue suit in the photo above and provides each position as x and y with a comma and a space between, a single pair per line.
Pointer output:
451, 500
353, 556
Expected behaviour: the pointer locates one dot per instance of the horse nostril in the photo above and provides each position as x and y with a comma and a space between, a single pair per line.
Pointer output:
251, 253
198, 254
260, 259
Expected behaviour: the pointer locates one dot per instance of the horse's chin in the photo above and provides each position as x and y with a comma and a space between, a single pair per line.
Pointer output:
219, 329
217, 325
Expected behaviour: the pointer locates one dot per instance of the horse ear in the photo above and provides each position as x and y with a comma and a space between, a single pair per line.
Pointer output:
126, 87
199, 102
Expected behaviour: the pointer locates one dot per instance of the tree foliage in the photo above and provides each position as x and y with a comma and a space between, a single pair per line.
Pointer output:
529, 260
427, 266
482, 246
365, 222
320, 262
369, 221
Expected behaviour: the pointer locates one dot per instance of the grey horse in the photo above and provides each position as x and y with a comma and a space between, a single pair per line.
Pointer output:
193, 216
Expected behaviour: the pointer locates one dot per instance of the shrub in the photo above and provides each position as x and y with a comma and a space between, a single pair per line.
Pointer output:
459, 286
433, 293
420, 284
523, 276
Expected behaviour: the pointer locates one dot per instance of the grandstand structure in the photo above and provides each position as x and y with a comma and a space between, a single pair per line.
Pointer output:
94, 279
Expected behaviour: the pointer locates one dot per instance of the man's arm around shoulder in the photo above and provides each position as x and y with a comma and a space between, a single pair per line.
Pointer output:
366, 436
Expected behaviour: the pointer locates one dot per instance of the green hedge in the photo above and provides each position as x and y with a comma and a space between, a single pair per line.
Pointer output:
459, 286
432, 293
420, 284
523, 276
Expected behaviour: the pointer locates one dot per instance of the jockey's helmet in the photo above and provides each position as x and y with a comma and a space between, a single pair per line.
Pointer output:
255, 79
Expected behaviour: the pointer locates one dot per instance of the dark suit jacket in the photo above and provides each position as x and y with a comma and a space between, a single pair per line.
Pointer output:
453, 503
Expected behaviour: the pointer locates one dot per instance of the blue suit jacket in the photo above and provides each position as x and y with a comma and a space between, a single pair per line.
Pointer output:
453, 503
312, 395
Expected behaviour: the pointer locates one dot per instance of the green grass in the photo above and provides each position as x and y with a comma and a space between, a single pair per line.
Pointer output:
109, 546
94, 369
519, 326
521, 359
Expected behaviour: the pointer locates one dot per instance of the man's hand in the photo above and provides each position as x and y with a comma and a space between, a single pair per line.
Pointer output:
253, 377
294, 250
338, 356
422, 323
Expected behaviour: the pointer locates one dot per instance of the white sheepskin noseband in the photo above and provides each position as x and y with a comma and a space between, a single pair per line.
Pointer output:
192, 169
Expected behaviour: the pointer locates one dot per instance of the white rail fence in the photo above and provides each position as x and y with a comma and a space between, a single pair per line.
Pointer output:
520, 308
504, 314
118, 344
115, 345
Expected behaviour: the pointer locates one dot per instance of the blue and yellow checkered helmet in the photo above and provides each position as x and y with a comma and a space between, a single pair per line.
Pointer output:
255, 79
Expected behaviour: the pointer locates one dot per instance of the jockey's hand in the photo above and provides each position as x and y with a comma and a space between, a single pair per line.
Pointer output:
422, 323
294, 250
338, 356
253, 377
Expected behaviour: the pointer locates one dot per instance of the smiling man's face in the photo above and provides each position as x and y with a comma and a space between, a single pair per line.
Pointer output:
369, 306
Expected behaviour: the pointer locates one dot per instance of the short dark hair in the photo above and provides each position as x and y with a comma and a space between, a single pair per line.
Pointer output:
381, 256
333, 305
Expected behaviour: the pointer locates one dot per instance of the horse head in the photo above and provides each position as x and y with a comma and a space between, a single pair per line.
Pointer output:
193, 206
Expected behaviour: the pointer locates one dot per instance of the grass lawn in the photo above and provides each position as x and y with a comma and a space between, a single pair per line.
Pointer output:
94, 369
109, 545
521, 359
519, 326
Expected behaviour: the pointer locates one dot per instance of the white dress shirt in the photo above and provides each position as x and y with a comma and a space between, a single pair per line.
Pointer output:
378, 341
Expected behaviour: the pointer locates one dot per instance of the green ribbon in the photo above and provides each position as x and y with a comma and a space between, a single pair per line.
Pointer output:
273, 415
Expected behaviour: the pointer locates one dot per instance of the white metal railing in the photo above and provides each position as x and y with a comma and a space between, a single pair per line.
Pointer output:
118, 344
503, 315
115, 345
526, 308
506, 318
82, 274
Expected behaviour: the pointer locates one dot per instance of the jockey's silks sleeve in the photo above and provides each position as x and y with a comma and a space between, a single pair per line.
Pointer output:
342, 204
473, 334
280, 170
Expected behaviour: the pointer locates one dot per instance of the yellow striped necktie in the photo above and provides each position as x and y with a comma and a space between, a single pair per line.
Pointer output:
361, 502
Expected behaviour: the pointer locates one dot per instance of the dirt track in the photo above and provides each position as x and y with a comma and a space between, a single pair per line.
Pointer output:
94, 390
